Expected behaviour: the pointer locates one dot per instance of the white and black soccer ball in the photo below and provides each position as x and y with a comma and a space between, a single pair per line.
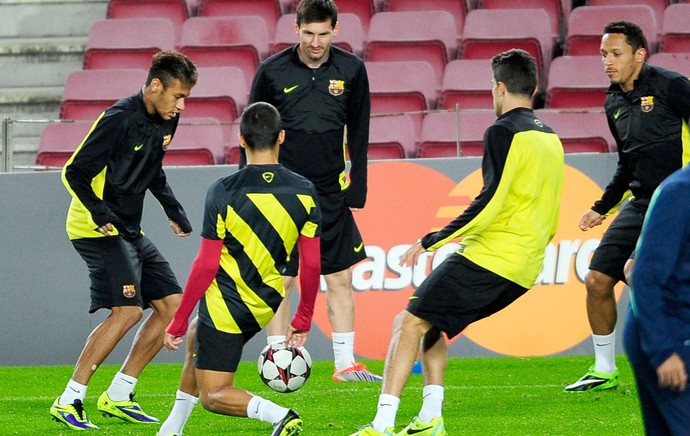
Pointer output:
284, 369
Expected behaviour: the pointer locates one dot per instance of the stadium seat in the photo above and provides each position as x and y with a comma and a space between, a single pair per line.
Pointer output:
232, 150
552, 8
269, 10
658, 6
226, 42
580, 131
364, 9
398, 87
679, 62
458, 8
87, 93
176, 11
466, 84
58, 141
441, 132
412, 36
586, 25
675, 29
576, 82
220, 93
197, 141
136, 41
350, 36
492, 31
391, 137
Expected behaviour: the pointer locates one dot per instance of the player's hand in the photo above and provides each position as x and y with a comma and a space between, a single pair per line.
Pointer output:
178, 230
412, 254
295, 338
105, 229
672, 374
591, 219
171, 342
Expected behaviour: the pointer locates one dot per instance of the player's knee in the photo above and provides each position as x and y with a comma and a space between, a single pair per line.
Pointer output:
599, 284
127, 316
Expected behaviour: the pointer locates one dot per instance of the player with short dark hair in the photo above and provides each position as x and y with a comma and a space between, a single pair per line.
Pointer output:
647, 109
504, 231
253, 220
108, 176
322, 94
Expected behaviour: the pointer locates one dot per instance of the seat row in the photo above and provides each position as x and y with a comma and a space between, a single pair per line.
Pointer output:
207, 141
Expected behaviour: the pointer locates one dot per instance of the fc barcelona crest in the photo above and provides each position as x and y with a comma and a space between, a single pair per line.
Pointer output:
336, 87
647, 103
166, 142
129, 291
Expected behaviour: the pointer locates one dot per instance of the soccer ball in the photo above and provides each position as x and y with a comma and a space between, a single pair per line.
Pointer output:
284, 369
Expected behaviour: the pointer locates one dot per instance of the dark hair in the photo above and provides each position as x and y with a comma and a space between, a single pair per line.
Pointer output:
168, 66
260, 126
517, 69
633, 34
317, 11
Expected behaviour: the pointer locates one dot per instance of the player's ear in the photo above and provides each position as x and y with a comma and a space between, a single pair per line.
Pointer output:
281, 137
243, 142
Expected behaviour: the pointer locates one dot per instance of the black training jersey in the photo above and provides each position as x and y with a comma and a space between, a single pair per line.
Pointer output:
650, 126
259, 212
316, 104
508, 225
109, 172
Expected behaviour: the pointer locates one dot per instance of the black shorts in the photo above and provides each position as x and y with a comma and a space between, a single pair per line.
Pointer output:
218, 351
341, 243
618, 243
125, 273
459, 292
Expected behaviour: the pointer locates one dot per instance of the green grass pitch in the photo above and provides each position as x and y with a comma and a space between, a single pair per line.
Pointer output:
484, 396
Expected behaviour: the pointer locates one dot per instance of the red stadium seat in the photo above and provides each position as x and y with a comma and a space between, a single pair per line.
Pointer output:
197, 141
364, 9
586, 25
679, 62
412, 36
58, 142
553, 8
220, 93
232, 151
580, 131
658, 6
177, 11
453, 134
391, 137
226, 42
489, 32
458, 8
466, 84
398, 87
87, 93
269, 10
127, 42
576, 82
675, 29
350, 36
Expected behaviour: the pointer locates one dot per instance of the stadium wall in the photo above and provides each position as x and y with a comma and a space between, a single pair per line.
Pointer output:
45, 287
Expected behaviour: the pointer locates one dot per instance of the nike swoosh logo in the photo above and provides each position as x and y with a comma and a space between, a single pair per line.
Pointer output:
290, 89
419, 430
603, 345
138, 147
359, 247
617, 114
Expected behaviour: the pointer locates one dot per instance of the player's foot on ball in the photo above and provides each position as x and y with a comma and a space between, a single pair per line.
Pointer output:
291, 425
594, 381
126, 410
369, 430
358, 372
72, 415
420, 428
